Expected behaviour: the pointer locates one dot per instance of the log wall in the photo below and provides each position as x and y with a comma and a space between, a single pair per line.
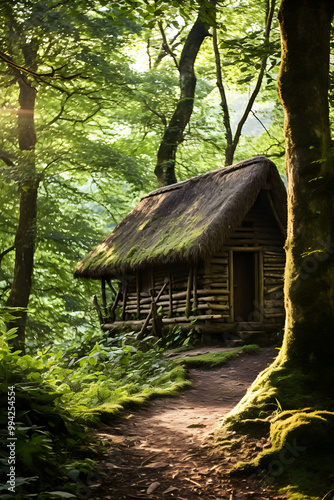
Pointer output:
206, 289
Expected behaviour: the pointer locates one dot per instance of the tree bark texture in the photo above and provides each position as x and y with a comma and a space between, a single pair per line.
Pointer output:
26, 230
309, 280
173, 136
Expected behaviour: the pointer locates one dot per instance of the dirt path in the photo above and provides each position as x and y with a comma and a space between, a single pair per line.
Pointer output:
158, 453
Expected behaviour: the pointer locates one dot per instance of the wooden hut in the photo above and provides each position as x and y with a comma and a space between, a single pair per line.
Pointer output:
207, 251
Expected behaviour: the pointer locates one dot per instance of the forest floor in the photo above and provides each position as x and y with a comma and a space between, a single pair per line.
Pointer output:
161, 450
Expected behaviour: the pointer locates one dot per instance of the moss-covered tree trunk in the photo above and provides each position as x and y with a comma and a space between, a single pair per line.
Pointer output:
309, 280
26, 229
173, 136
302, 376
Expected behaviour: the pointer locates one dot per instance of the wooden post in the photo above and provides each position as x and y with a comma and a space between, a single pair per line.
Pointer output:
195, 303
230, 276
125, 292
170, 279
111, 287
261, 287
154, 301
138, 293
189, 288
113, 307
156, 319
104, 296
98, 309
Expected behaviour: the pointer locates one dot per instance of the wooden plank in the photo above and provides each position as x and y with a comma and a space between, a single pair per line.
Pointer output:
214, 298
274, 289
216, 291
215, 277
271, 281
254, 248
218, 260
230, 269
200, 317
211, 306
217, 307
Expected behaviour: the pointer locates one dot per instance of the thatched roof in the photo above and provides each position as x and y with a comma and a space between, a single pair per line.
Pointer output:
185, 221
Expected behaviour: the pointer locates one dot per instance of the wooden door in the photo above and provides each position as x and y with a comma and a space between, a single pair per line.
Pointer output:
244, 286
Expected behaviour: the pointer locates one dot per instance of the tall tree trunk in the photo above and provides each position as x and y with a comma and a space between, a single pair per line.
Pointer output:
229, 150
26, 230
232, 142
173, 136
309, 280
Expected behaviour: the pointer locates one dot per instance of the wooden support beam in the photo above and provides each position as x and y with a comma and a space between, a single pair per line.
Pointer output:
231, 281
113, 307
104, 296
189, 289
195, 301
170, 294
110, 286
98, 309
154, 301
184, 319
261, 286
125, 292
156, 319
138, 293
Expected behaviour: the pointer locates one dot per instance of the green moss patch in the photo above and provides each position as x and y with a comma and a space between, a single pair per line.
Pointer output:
312, 429
277, 388
299, 460
211, 360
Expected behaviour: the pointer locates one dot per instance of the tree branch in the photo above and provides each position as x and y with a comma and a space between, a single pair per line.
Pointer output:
6, 159
259, 79
159, 115
166, 46
5, 252
52, 73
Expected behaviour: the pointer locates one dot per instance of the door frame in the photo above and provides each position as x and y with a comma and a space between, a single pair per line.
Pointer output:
259, 284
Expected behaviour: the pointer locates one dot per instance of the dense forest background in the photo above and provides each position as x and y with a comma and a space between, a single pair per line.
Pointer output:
105, 84
89, 90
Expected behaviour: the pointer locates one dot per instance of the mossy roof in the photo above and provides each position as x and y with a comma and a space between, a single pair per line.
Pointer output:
186, 221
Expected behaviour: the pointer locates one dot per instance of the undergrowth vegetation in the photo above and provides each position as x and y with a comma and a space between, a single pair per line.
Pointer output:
57, 395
